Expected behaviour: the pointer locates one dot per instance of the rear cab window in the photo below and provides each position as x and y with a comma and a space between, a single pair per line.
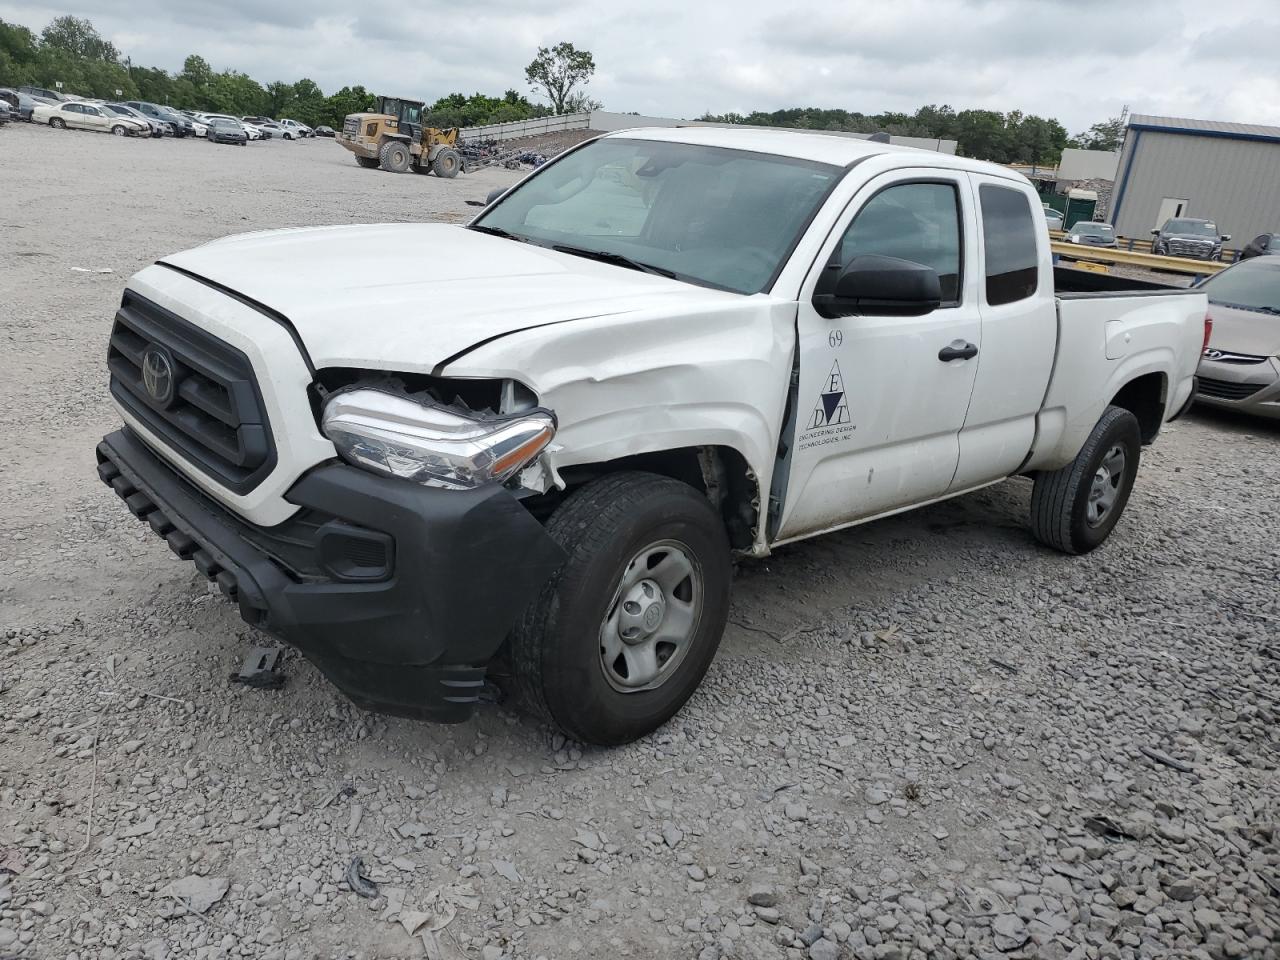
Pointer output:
1009, 240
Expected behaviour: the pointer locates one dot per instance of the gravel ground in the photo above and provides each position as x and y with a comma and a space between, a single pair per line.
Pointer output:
926, 737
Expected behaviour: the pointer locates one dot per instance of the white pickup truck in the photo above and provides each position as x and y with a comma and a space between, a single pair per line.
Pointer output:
415, 451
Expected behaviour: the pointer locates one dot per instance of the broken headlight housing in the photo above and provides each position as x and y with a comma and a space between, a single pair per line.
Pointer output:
429, 443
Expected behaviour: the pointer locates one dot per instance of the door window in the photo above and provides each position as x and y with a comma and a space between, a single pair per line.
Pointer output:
911, 221
1009, 237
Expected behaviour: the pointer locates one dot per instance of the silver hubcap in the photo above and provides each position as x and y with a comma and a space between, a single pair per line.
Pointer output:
1106, 486
652, 618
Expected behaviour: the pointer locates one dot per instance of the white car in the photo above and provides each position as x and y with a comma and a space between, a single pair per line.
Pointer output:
200, 127
295, 130
660, 351
77, 115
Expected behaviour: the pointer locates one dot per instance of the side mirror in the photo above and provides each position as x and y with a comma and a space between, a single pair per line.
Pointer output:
1155, 232
494, 194
879, 285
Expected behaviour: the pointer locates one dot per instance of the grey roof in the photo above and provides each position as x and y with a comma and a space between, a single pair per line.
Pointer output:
1251, 131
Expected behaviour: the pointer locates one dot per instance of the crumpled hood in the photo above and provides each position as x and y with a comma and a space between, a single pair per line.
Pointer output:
409, 296
1244, 331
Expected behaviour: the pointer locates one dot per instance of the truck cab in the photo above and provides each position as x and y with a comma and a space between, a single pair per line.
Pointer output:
665, 351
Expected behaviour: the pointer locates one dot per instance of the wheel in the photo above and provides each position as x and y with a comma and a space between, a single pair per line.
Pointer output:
447, 163
244, 143
118, 131
624, 631
395, 156
57, 123
368, 162
1074, 509
288, 136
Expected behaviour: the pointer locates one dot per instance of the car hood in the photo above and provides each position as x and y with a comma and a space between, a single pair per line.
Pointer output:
1199, 237
410, 296
1244, 331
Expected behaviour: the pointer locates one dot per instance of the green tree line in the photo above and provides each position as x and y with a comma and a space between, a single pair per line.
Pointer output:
71, 51
1012, 137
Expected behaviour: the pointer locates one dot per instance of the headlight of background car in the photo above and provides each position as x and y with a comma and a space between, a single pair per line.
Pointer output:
429, 443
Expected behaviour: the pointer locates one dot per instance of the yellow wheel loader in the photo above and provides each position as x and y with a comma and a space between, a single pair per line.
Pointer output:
392, 137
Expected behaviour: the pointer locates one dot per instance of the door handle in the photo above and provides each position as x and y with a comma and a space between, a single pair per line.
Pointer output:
958, 350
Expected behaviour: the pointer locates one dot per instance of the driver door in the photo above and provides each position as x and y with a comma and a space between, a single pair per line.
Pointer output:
878, 412
93, 118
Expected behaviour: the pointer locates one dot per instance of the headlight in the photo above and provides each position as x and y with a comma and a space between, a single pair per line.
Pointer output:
431, 444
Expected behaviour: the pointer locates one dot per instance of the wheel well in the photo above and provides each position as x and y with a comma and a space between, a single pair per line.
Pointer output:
1145, 397
721, 473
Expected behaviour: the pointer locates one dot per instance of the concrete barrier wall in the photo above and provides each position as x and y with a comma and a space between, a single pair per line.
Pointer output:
604, 121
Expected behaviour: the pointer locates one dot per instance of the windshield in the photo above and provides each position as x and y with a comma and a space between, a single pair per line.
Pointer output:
1094, 229
226, 123
710, 215
1196, 228
1249, 285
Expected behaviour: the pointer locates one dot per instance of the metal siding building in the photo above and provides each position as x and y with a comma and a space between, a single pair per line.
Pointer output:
1225, 172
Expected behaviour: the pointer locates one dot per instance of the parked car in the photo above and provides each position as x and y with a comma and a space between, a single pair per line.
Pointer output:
1189, 237
182, 126
1053, 218
227, 130
292, 129
7, 114
1092, 234
324, 131
254, 131
1266, 244
268, 127
51, 95
72, 115
158, 128
21, 104
404, 501
1240, 369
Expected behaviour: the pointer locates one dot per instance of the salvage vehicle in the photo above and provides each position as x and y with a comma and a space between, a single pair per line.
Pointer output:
392, 137
1240, 369
227, 130
1263, 245
663, 350
1092, 234
1188, 237
158, 128
74, 115
180, 125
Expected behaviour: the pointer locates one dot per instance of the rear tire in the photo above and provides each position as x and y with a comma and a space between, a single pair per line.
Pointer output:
447, 163
1076, 508
395, 156
369, 163
635, 531
57, 123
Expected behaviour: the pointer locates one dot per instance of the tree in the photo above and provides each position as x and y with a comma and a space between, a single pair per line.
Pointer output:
79, 38
1107, 135
556, 71
196, 71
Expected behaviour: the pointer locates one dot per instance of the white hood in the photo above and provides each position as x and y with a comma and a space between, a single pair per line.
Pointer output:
409, 296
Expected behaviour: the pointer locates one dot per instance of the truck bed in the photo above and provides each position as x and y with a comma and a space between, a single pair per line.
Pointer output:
1069, 282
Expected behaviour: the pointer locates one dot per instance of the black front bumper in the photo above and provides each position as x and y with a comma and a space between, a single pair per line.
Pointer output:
401, 594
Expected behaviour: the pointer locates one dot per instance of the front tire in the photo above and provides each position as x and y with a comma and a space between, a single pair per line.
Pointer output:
395, 156
1074, 509
447, 163
118, 131
622, 634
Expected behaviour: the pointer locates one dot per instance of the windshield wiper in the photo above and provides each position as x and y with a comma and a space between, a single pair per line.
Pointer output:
617, 259
497, 232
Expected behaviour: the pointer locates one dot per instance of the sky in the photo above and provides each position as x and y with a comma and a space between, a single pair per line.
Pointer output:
1080, 61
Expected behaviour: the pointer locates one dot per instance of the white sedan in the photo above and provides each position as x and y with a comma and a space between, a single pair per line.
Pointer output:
89, 116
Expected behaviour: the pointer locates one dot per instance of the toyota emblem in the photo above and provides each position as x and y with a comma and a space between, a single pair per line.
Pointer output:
157, 374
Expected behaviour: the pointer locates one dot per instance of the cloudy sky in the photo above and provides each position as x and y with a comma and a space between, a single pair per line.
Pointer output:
1077, 60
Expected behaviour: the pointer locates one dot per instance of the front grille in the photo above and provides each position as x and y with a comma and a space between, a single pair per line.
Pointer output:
1227, 389
1191, 248
212, 413
1240, 358
351, 125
